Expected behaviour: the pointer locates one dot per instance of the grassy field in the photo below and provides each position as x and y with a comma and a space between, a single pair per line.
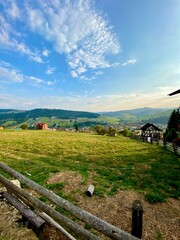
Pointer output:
110, 163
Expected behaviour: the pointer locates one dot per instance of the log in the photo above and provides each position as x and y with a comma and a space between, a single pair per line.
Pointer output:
54, 224
95, 222
90, 190
24, 210
77, 229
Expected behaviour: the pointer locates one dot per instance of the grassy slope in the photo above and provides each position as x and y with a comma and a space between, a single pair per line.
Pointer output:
115, 163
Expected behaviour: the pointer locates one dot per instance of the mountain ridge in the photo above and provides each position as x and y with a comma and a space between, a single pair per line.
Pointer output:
14, 117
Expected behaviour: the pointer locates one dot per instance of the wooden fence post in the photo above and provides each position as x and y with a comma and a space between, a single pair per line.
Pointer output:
95, 222
137, 216
174, 147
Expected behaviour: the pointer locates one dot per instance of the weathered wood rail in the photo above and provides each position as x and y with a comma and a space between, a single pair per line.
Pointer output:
172, 147
75, 229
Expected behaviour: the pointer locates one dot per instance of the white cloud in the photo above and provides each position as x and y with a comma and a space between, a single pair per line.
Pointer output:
49, 83
9, 74
88, 102
36, 58
131, 61
9, 39
76, 29
50, 70
45, 53
35, 79
12, 9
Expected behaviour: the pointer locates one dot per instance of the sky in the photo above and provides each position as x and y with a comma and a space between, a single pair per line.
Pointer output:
89, 55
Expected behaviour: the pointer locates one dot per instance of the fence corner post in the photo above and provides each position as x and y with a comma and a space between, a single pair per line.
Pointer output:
137, 219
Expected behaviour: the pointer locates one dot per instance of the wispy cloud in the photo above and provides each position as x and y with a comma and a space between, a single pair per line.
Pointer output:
77, 30
12, 10
11, 40
131, 61
50, 70
34, 80
45, 53
9, 73
89, 102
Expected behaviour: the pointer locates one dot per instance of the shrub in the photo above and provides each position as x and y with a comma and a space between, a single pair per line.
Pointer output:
126, 132
24, 126
112, 131
100, 130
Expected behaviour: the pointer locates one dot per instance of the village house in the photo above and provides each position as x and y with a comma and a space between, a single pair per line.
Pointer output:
42, 126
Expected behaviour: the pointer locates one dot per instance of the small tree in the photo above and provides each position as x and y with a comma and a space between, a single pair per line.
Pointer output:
126, 132
24, 126
112, 131
76, 126
100, 130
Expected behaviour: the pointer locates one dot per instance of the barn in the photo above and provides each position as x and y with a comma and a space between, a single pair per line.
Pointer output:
42, 126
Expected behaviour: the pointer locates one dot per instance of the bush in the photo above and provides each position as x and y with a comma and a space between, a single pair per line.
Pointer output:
126, 132
100, 130
24, 126
112, 131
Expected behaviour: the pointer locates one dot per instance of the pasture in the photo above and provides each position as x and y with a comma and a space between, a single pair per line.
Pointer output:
110, 163
121, 169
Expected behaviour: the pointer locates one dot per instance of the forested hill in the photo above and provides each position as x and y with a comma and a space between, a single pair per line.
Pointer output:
17, 115
141, 115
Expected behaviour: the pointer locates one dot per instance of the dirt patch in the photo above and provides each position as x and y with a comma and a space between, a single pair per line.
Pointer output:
160, 221
71, 179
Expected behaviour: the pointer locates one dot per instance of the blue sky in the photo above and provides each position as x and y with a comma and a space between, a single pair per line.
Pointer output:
90, 55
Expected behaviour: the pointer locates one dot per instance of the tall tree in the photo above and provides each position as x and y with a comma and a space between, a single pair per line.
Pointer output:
173, 126
174, 120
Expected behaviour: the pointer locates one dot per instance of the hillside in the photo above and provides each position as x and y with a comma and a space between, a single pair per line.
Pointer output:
67, 118
141, 115
17, 115
121, 169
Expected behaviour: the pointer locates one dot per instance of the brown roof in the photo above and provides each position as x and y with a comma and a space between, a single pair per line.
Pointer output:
150, 125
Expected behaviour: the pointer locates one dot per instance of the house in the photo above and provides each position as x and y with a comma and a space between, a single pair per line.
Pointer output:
150, 131
1, 128
42, 126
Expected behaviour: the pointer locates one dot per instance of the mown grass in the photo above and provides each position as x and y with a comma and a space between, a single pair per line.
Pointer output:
115, 162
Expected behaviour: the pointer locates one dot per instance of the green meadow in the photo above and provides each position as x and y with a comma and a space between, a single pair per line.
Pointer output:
110, 163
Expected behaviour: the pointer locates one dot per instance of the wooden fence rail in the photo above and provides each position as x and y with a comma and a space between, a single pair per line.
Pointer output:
167, 145
100, 225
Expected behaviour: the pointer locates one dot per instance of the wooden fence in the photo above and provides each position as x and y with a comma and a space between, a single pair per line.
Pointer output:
167, 145
23, 201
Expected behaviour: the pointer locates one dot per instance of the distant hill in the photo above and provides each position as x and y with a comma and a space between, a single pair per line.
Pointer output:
66, 118
8, 110
141, 115
21, 116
